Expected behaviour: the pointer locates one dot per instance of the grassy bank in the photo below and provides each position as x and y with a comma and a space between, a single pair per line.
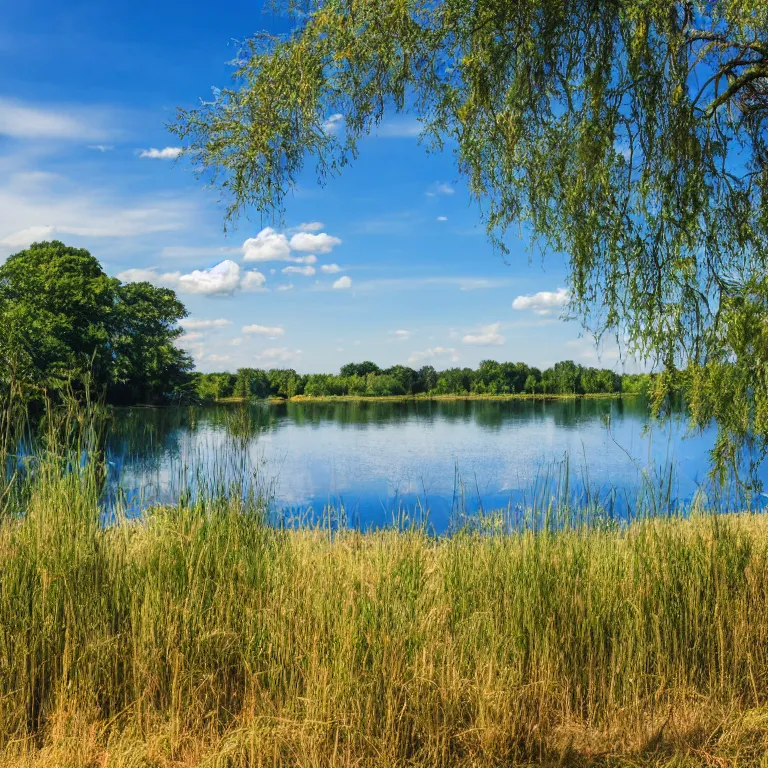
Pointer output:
423, 398
200, 636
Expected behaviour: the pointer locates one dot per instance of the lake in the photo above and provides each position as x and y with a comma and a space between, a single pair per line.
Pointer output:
376, 462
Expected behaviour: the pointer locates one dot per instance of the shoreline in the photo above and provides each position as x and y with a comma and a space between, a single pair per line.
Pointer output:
423, 398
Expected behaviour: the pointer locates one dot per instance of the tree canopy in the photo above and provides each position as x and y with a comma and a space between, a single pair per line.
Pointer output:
627, 134
65, 323
368, 380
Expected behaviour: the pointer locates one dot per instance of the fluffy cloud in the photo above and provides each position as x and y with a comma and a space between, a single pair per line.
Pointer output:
442, 218
283, 288
543, 302
268, 245
488, 335
306, 271
320, 243
404, 335
169, 153
252, 280
330, 269
263, 330
222, 280
440, 188
310, 226
343, 283
436, 353
270, 358
191, 323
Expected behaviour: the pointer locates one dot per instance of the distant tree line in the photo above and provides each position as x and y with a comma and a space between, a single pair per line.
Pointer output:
366, 379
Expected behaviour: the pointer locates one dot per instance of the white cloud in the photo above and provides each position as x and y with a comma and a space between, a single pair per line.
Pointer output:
268, 245
169, 153
222, 280
333, 123
442, 218
23, 121
218, 358
440, 188
310, 226
236, 342
543, 302
488, 335
271, 358
436, 353
101, 147
404, 335
263, 330
282, 288
330, 269
204, 324
307, 271
37, 206
25, 237
253, 280
343, 283
321, 243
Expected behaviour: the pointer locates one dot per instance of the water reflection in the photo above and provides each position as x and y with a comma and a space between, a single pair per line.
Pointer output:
379, 460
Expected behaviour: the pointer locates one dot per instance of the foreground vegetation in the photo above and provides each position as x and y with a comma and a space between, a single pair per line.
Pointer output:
200, 635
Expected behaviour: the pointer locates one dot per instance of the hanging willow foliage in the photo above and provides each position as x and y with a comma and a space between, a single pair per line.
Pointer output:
628, 134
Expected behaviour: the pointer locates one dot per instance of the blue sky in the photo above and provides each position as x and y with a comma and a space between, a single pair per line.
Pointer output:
389, 262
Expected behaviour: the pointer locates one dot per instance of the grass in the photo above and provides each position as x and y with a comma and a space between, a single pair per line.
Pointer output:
425, 397
408, 398
200, 636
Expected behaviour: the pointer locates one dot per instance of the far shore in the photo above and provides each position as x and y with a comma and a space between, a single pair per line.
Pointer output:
423, 398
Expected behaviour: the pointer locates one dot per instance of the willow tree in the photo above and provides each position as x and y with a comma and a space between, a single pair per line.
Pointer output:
627, 134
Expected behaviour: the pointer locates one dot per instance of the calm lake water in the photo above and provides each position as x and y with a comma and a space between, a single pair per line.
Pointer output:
377, 460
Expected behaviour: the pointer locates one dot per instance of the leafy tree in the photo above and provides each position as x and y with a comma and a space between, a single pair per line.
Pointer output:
64, 322
426, 379
405, 377
214, 386
148, 366
58, 310
360, 369
455, 381
251, 382
285, 382
628, 135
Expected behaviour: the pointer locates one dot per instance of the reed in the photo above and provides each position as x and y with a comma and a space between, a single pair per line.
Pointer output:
199, 635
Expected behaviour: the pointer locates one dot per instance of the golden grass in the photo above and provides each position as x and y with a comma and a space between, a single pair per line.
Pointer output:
202, 637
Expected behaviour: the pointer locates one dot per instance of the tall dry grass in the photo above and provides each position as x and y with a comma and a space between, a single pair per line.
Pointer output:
201, 636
